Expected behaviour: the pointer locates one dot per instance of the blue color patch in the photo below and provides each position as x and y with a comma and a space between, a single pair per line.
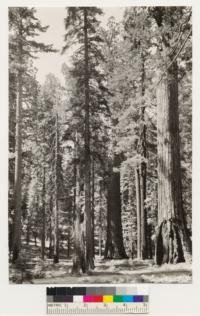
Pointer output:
127, 298
138, 298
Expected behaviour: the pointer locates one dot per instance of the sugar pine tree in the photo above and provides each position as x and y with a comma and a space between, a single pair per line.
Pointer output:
23, 27
81, 29
52, 94
137, 25
114, 247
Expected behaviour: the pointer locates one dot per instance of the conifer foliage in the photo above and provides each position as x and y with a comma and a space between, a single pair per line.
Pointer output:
100, 165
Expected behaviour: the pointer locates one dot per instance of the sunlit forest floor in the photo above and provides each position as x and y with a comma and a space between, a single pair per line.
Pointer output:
31, 269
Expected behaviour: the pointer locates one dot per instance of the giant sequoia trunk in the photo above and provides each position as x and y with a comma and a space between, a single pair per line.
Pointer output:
16, 242
172, 241
114, 242
88, 209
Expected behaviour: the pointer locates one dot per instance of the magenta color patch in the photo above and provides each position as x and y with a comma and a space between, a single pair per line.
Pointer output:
87, 298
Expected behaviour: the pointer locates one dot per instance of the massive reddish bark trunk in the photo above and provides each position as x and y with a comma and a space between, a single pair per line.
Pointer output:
114, 243
173, 241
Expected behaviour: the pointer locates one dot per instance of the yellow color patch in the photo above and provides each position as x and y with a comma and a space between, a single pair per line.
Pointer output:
107, 298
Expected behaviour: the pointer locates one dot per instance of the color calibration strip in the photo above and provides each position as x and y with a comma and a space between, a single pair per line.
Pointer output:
88, 300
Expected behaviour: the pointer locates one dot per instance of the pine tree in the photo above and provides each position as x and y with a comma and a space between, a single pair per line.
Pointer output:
81, 26
53, 103
23, 28
137, 25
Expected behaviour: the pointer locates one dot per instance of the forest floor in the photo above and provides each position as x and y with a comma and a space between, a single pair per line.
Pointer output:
32, 270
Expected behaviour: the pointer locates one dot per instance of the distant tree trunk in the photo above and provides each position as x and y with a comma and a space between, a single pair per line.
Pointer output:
172, 240
56, 210
16, 244
88, 217
144, 253
133, 213
28, 230
114, 243
138, 210
68, 245
50, 229
79, 260
93, 206
43, 233
149, 241
50, 241
35, 238
100, 218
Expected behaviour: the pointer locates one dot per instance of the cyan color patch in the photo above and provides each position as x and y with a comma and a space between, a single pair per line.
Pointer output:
127, 298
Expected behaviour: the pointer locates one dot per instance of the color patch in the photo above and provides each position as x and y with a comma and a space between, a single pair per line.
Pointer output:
95, 295
138, 298
118, 298
87, 298
107, 298
63, 298
127, 298
98, 299
78, 299
79, 291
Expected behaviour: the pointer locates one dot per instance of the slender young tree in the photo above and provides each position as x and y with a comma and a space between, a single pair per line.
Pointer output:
43, 227
52, 95
56, 207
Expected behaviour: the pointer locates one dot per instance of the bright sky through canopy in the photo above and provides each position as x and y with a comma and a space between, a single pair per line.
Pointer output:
54, 17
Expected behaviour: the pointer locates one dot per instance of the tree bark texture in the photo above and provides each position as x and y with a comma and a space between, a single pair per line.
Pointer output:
88, 209
16, 244
173, 241
144, 254
56, 209
79, 260
43, 228
138, 210
100, 218
93, 206
114, 243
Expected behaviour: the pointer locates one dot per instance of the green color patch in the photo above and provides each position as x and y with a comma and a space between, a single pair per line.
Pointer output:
118, 298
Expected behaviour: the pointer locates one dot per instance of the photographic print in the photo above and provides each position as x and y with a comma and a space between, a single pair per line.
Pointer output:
100, 145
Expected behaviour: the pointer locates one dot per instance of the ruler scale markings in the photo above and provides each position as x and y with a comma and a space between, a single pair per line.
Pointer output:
134, 308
